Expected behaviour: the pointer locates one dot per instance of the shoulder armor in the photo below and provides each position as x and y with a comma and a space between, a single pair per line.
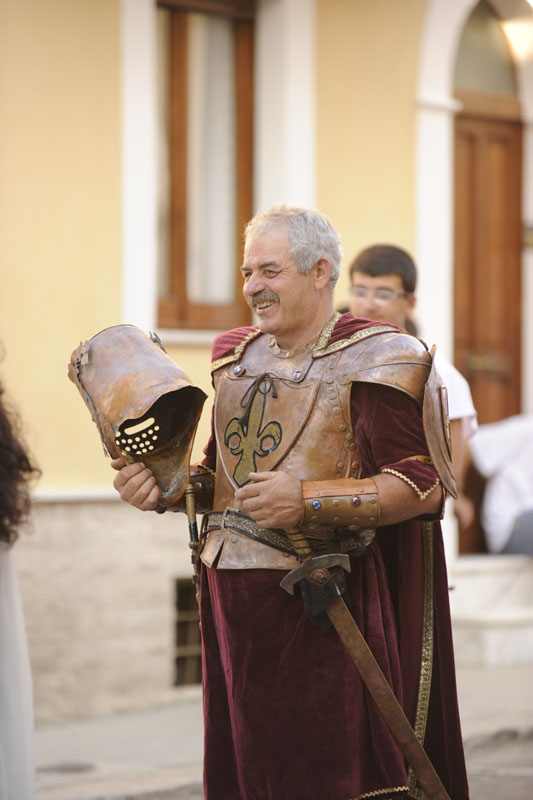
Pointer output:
391, 358
437, 427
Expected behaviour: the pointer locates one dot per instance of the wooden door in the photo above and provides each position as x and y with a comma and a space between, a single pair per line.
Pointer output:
488, 165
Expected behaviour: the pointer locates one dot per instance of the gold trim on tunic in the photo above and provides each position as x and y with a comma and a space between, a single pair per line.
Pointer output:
422, 495
426, 657
221, 362
321, 350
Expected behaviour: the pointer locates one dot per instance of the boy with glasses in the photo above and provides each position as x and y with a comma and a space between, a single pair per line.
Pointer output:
382, 287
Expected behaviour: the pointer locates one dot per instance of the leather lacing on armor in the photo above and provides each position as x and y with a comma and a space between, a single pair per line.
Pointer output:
265, 380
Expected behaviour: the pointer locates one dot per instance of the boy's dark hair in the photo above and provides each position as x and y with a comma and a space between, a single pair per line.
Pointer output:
386, 259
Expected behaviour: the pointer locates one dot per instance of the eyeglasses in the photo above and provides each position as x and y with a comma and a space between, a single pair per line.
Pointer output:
382, 297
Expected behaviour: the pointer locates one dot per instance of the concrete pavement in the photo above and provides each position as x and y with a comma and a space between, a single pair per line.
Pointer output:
156, 754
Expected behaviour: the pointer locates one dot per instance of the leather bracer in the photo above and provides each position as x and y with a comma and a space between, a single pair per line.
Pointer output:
203, 482
341, 503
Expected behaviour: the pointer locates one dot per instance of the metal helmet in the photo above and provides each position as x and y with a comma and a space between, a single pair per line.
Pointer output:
143, 404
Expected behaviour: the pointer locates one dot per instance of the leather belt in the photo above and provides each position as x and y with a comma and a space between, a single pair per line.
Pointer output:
354, 542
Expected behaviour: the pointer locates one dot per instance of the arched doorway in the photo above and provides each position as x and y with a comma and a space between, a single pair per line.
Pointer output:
437, 108
487, 217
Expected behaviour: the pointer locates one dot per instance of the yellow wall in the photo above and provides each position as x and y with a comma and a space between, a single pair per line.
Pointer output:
367, 58
60, 216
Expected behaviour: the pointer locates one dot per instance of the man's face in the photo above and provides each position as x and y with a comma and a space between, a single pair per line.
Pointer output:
382, 298
283, 298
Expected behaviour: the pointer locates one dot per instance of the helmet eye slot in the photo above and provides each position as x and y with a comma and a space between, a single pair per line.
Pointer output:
171, 413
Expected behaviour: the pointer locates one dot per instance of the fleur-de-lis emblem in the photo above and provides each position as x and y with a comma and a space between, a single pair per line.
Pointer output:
251, 438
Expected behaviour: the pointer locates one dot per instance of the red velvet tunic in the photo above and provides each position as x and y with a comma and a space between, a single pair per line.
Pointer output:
286, 714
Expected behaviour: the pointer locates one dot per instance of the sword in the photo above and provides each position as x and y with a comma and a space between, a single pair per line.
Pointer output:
316, 570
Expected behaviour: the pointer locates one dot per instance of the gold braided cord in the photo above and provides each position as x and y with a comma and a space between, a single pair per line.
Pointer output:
326, 332
422, 459
207, 469
321, 350
426, 656
422, 495
380, 792
221, 362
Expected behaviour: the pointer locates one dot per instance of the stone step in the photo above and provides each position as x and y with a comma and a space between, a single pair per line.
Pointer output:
491, 600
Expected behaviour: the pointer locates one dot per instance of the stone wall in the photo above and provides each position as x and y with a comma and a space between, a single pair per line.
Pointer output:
98, 587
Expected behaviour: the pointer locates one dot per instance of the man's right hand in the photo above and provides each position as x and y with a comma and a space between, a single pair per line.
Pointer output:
136, 484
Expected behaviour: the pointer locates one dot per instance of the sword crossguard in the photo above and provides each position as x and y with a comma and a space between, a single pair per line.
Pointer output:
315, 566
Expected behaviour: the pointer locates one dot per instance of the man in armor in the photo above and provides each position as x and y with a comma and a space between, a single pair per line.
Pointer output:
333, 431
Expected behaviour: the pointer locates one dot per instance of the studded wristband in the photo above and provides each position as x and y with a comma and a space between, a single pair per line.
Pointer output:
343, 503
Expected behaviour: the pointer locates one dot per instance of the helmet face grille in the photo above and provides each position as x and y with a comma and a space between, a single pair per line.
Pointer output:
140, 438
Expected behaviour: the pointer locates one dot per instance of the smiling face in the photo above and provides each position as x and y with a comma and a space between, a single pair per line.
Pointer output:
381, 297
291, 306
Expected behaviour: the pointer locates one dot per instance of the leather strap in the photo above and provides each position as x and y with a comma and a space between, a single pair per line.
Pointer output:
353, 543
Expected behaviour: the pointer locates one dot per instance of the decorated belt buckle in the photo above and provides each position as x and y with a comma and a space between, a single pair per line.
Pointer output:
224, 514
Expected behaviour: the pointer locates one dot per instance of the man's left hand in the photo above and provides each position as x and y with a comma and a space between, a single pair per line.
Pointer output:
272, 499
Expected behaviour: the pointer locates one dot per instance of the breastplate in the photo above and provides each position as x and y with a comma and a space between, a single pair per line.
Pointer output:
275, 411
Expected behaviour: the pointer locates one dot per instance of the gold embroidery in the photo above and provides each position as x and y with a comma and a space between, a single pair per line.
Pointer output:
326, 332
221, 362
412, 484
208, 469
426, 657
321, 350
417, 793
422, 459
380, 792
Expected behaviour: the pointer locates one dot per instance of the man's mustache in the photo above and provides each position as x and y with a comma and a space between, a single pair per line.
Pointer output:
262, 297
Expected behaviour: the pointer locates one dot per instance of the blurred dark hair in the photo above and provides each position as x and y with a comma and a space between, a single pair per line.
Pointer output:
386, 259
16, 470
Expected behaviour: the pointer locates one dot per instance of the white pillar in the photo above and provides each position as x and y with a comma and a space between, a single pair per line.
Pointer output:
284, 103
139, 162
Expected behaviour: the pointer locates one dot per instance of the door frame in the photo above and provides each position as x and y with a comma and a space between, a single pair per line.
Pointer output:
435, 111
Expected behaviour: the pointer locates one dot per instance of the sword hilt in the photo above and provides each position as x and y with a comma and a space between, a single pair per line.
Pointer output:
300, 543
190, 506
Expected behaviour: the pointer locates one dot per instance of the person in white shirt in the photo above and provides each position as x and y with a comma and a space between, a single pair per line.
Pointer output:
503, 453
383, 281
